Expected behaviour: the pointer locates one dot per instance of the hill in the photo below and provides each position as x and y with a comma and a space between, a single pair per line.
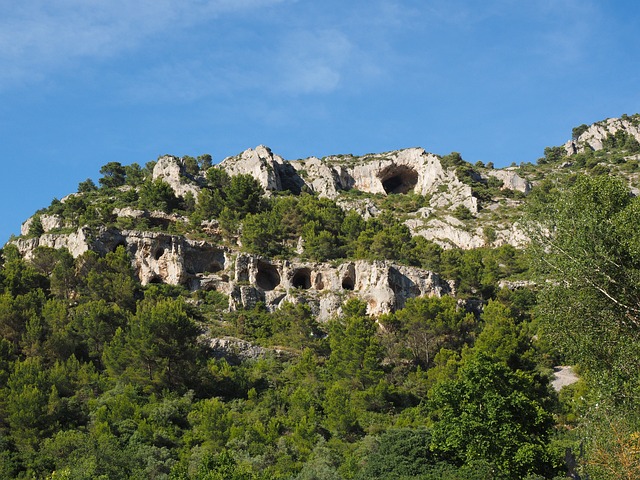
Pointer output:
392, 315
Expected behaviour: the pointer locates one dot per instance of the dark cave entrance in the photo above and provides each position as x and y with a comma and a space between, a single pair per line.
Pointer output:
301, 279
398, 179
267, 277
348, 282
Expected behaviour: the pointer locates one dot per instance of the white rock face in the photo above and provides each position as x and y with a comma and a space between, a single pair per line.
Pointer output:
383, 286
511, 180
594, 136
447, 232
402, 171
49, 222
77, 242
260, 163
248, 279
169, 169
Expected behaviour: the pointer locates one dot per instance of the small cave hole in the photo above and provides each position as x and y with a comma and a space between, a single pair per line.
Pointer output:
159, 253
399, 179
302, 279
267, 277
155, 280
319, 284
348, 283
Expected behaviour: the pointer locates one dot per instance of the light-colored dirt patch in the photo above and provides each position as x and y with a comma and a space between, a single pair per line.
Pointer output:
563, 376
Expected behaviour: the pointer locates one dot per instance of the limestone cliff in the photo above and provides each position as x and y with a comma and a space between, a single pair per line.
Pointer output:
593, 136
248, 279
161, 257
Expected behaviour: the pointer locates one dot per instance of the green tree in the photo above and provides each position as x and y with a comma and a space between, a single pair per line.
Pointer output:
355, 348
157, 349
113, 175
134, 174
495, 414
87, 186
244, 195
587, 246
158, 195
425, 325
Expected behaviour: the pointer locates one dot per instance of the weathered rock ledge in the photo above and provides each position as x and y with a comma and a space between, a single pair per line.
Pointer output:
249, 279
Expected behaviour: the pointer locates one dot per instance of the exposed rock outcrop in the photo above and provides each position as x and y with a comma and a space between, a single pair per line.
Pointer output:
271, 171
170, 170
249, 279
593, 136
49, 223
511, 180
401, 171
384, 286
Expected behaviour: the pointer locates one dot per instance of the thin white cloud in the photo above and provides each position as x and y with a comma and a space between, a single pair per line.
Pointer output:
40, 36
312, 62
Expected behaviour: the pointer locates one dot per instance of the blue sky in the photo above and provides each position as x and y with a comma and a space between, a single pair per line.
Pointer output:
86, 82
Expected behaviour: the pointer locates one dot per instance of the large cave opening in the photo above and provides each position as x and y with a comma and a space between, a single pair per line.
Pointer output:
349, 281
301, 279
398, 179
267, 277
204, 260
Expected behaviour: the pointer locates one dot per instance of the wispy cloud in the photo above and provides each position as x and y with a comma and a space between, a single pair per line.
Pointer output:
40, 36
312, 62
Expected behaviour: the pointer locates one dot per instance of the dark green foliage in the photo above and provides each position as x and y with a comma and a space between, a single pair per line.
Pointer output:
454, 159
36, 229
552, 155
87, 186
204, 162
190, 165
426, 325
157, 195
400, 453
113, 175
577, 131
462, 213
587, 240
156, 349
244, 195
134, 174
492, 413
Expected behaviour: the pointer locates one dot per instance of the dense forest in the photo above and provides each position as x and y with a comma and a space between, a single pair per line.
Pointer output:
104, 378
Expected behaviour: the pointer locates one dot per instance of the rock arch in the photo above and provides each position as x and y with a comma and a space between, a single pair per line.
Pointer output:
398, 179
267, 277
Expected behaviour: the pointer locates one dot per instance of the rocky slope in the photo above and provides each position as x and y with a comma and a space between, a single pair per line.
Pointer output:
466, 207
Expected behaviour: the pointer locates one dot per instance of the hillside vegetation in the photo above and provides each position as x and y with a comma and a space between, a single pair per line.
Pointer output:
206, 357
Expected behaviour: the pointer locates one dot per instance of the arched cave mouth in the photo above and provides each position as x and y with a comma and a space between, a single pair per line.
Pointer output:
159, 253
156, 280
398, 179
267, 277
301, 279
348, 282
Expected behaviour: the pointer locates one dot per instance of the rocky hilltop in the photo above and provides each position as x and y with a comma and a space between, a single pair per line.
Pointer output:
442, 199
